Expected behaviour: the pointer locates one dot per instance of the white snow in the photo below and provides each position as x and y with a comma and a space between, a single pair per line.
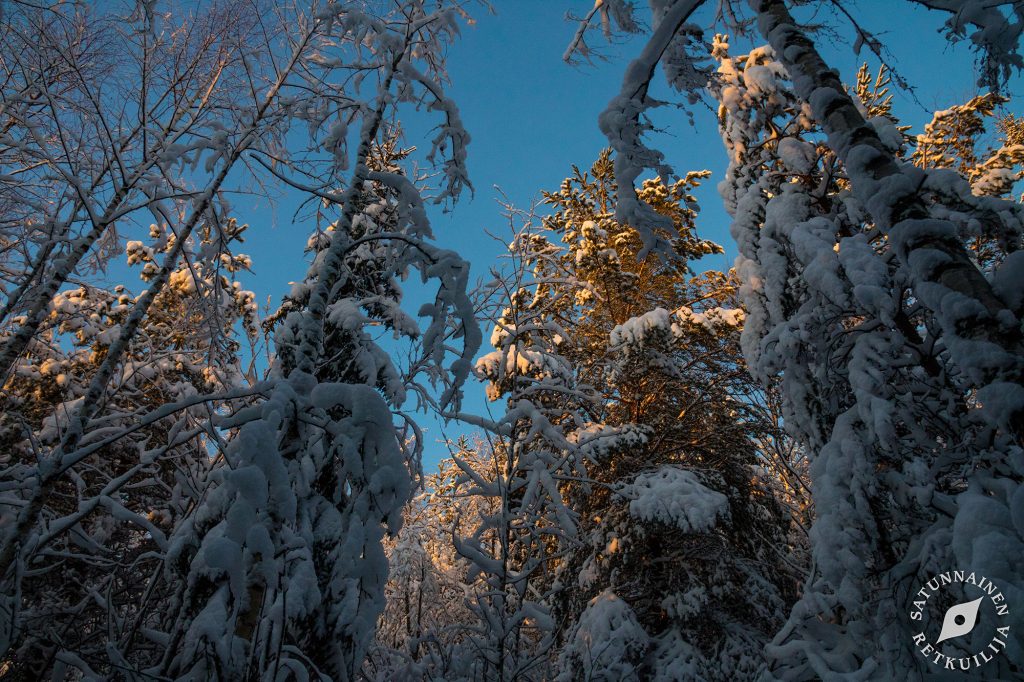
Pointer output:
676, 497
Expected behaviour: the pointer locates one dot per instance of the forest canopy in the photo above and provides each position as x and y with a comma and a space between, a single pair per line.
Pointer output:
804, 466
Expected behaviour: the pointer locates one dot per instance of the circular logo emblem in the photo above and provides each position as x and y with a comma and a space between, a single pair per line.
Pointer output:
963, 620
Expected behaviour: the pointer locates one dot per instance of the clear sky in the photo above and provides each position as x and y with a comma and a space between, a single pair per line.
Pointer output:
531, 116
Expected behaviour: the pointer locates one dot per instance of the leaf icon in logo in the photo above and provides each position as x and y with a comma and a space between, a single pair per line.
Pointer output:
959, 620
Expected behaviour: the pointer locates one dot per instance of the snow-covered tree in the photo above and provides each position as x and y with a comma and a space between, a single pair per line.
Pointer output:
283, 563
425, 629
317, 470
674, 522
89, 576
870, 384
515, 547
899, 350
84, 164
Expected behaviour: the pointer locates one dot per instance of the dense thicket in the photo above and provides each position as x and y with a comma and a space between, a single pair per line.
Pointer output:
194, 522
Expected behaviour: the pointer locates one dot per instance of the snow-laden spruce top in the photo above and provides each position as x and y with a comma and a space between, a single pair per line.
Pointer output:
676, 497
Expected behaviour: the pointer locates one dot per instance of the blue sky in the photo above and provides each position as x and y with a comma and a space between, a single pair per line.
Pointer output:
531, 116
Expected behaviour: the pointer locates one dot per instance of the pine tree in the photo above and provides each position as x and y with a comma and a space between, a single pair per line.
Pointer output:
673, 523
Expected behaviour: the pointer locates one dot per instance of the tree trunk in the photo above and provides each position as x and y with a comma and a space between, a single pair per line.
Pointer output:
982, 335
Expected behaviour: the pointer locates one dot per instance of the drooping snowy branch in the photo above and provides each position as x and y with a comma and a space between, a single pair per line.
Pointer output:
623, 124
993, 35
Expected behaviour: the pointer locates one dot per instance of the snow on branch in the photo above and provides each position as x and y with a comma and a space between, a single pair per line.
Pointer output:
993, 35
676, 497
